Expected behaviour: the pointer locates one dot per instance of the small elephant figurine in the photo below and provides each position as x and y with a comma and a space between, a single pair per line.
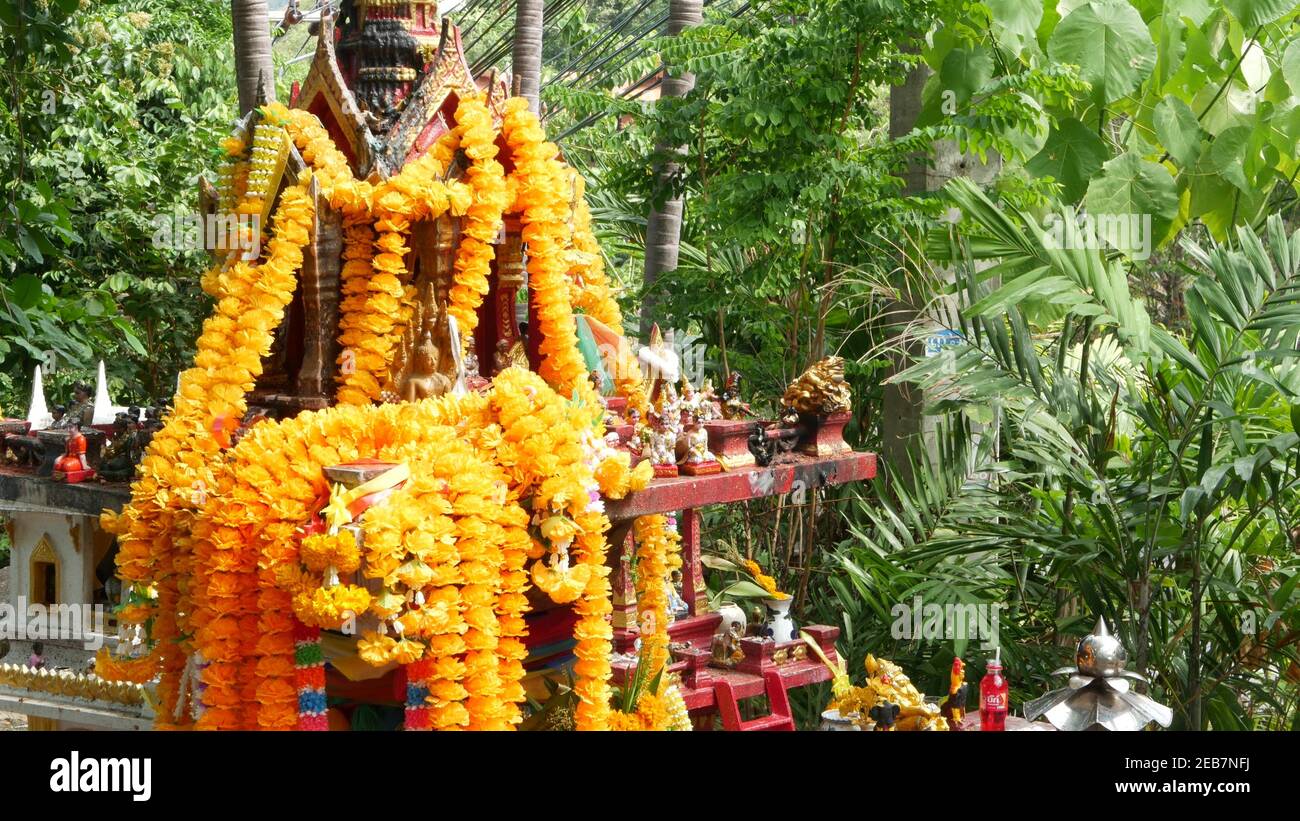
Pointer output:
884, 714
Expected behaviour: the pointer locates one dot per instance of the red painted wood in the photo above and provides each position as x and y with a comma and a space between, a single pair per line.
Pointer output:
748, 685
694, 591
664, 495
774, 687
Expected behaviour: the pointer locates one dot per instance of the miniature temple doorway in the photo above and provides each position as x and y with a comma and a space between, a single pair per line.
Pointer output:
43, 585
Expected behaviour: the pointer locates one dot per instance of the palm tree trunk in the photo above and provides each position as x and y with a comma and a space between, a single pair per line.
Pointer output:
663, 233
254, 70
528, 51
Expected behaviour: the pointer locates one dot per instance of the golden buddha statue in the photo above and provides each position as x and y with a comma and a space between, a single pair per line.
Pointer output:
425, 379
423, 364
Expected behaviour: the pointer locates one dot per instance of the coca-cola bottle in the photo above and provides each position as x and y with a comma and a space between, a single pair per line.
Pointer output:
995, 696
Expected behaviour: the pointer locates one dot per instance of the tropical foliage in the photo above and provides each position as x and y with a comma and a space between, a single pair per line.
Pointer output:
110, 112
1188, 109
1119, 469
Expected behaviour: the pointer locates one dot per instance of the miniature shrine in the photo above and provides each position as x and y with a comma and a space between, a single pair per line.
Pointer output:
417, 475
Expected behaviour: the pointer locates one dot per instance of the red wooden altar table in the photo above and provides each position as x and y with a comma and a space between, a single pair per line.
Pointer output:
687, 494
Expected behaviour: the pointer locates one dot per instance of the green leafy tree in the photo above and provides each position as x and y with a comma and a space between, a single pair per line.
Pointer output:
1188, 110
1122, 470
111, 111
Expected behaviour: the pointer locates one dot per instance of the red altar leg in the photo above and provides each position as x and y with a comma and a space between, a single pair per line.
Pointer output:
777, 698
694, 591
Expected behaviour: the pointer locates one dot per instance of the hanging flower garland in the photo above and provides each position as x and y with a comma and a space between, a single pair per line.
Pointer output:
178, 471
652, 580
542, 203
483, 219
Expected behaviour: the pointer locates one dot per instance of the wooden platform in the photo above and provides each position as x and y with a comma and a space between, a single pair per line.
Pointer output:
683, 492
22, 490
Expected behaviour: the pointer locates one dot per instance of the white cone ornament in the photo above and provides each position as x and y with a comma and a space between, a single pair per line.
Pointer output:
104, 410
38, 413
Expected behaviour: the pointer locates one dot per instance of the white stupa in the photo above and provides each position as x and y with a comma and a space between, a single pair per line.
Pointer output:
38, 414
105, 410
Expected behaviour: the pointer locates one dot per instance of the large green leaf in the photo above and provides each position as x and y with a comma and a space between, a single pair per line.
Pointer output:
1228, 154
1177, 129
26, 292
1291, 65
1109, 43
965, 71
1015, 22
1253, 13
1131, 187
1072, 155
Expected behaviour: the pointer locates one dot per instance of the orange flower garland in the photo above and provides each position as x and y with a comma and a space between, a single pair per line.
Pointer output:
652, 581
483, 219
542, 203
179, 469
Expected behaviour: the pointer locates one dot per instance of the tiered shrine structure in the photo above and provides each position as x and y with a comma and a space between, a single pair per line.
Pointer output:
385, 82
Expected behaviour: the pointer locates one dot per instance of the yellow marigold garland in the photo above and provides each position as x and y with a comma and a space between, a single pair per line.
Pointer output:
483, 219
542, 203
651, 535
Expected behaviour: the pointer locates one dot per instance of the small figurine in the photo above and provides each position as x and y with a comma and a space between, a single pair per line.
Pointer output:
662, 365
120, 457
772, 446
885, 713
690, 399
1098, 695
677, 606
733, 408
425, 381
501, 357
698, 461
82, 412
709, 408
887, 685
726, 647
953, 707
509, 355
72, 466
659, 445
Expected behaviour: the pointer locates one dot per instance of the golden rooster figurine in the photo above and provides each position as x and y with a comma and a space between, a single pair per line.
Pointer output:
953, 707
821, 390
